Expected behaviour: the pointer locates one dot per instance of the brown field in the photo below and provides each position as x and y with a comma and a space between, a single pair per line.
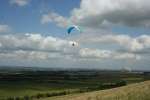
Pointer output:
138, 91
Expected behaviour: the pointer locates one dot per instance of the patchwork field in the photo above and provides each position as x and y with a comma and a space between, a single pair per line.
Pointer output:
30, 85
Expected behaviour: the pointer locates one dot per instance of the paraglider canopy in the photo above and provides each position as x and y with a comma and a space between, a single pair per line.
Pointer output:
71, 28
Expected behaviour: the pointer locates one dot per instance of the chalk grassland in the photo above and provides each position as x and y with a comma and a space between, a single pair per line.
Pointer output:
137, 91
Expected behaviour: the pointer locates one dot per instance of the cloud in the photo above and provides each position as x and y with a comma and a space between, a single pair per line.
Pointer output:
20, 54
33, 42
29, 55
53, 17
30, 46
4, 28
37, 50
96, 13
94, 53
106, 54
106, 13
126, 42
36, 46
20, 2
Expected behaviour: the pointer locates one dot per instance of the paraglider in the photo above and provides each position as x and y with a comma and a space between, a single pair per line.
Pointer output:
73, 44
71, 28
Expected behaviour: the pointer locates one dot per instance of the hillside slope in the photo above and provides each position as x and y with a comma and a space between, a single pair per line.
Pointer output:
138, 91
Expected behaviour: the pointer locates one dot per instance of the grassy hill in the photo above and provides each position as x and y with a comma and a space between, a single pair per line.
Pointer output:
138, 91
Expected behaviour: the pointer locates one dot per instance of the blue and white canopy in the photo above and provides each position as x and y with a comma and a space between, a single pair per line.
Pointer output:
69, 30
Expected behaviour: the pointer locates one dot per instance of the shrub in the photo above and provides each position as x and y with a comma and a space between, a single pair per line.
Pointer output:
10, 98
121, 83
48, 95
26, 98
40, 95
17, 98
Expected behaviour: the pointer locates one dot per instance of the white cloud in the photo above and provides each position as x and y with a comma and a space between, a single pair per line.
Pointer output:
106, 13
126, 55
94, 53
20, 54
33, 42
95, 13
30, 55
33, 46
126, 42
106, 54
4, 28
20, 2
37, 46
53, 17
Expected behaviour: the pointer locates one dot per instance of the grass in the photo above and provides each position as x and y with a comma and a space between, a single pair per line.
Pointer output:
138, 91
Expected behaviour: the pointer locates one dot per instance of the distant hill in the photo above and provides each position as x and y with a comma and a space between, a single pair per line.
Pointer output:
138, 91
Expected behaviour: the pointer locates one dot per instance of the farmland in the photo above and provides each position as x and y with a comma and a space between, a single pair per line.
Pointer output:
37, 84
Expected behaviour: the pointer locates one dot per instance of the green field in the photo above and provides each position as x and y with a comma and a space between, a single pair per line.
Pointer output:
43, 84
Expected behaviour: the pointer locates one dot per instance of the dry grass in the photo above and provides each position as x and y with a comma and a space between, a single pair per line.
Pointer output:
139, 91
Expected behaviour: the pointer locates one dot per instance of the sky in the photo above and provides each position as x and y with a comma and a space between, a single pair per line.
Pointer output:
115, 34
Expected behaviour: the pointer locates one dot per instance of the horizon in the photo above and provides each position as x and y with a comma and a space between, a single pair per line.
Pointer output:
35, 68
